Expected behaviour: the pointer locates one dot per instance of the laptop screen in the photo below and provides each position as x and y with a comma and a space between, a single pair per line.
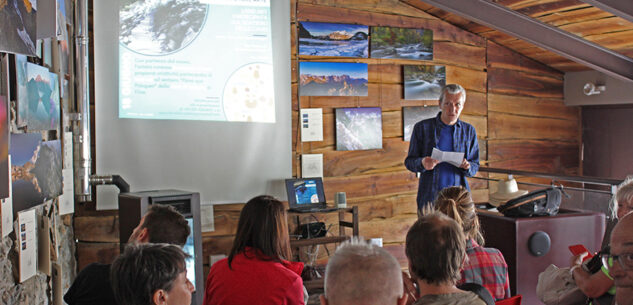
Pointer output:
306, 192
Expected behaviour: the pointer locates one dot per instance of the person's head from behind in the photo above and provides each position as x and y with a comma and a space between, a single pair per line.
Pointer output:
161, 224
435, 247
451, 103
151, 274
456, 203
263, 227
620, 260
624, 198
362, 273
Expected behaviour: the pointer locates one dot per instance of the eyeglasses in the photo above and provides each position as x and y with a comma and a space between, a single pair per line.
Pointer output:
625, 260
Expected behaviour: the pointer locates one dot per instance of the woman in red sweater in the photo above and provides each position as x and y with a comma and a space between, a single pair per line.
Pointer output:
257, 270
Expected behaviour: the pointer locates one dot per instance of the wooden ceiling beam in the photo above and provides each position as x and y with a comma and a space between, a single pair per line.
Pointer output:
538, 33
620, 8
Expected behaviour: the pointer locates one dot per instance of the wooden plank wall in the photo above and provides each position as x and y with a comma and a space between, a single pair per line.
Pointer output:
515, 105
376, 180
529, 127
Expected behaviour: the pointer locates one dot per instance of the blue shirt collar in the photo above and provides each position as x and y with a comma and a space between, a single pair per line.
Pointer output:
438, 120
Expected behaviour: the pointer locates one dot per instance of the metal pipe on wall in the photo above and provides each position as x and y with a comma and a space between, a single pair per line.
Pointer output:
81, 124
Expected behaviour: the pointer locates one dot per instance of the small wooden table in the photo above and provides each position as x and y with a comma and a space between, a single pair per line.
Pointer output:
341, 237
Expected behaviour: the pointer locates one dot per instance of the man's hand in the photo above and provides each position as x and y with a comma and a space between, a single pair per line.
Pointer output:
577, 259
465, 164
429, 163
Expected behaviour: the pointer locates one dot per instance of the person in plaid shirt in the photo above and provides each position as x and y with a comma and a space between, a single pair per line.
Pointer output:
484, 266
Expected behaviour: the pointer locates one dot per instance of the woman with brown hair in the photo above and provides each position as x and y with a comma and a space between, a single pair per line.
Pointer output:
257, 270
483, 266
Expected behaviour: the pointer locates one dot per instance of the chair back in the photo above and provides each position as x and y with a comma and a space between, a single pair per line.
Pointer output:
515, 300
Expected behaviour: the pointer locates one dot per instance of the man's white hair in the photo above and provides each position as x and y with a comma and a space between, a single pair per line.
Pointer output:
362, 273
624, 193
453, 89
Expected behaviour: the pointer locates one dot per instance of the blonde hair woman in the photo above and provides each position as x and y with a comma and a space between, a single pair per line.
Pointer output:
484, 266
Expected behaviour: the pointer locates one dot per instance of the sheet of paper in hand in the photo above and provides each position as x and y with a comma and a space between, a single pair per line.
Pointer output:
454, 158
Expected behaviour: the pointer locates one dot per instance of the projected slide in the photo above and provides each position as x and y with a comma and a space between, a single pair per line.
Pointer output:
196, 60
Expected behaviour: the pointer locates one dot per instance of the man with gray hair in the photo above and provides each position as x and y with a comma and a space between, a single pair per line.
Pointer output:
360, 273
446, 133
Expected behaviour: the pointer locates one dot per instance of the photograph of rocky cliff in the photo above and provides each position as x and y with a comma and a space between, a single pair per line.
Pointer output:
333, 39
332, 79
159, 27
358, 128
404, 43
18, 26
36, 170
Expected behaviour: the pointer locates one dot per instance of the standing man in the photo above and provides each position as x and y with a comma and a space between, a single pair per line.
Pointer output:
446, 133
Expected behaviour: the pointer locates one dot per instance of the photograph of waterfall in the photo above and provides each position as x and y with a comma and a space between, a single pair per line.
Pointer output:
423, 82
390, 42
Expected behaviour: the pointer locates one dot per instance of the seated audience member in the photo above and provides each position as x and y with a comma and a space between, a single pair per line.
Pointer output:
619, 262
151, 274
435, 247
360, 273
161, 224
600, 284
484, 266
257, 270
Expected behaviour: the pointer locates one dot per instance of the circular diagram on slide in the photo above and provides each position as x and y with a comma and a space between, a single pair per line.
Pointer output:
160, 27
249, 95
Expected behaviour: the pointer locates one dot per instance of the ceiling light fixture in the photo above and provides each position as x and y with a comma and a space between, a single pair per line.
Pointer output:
592, 89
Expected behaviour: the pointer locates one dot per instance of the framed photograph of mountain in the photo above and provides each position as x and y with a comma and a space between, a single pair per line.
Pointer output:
358, 128
404, 43
423, 82
332, 79
36, 169
18, 27
38, 99
333, 39
414, 114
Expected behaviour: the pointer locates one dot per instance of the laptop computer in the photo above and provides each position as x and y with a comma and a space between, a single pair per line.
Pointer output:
306, 195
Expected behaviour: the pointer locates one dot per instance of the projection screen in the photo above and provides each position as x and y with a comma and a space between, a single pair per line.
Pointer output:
193, 95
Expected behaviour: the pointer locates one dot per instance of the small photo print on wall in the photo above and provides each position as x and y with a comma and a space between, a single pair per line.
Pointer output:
423, 82
333, 39
18, 26
332, 79
414, 114
358, 128
38, 97
36, 170
404, 43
